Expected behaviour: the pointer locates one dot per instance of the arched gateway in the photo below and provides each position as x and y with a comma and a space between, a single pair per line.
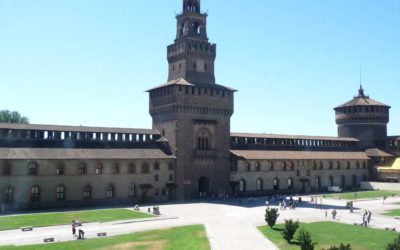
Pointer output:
203, 186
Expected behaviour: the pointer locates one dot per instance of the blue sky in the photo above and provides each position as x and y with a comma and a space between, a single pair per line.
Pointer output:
89, 62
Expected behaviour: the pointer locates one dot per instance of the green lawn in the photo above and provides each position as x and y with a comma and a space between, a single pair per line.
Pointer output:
326, 234
63, 218
180, 238
395, 212
363, 194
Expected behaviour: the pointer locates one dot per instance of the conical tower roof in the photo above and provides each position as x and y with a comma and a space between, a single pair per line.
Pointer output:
361, 100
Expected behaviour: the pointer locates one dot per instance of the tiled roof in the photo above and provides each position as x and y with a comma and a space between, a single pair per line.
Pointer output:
374, 152
293, 137
183, 82
298, 155
361, 100
76, 128
70, 154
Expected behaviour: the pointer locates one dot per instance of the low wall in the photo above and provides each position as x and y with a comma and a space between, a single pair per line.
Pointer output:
380, 186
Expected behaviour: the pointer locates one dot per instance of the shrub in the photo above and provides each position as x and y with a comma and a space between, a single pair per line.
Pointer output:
305, 240
271, 215
289, 230
395, 245
340, 247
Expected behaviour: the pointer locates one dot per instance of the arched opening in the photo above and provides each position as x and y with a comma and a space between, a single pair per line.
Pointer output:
318, 183
354, 180
204, 186
35, 194
196, 28
260, 185
290, 183
60, 193
276, 184
242, 185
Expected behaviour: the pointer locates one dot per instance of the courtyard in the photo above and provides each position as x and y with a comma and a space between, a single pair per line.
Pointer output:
231, 224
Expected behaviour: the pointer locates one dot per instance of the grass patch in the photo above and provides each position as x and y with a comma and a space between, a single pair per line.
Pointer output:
63, 218
394, 212
326, 234
179, 238
363, 194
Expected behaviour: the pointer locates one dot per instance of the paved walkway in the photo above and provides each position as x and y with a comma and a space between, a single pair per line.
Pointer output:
228, 226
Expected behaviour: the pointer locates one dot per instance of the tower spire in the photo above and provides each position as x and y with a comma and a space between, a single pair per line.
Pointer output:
191, 6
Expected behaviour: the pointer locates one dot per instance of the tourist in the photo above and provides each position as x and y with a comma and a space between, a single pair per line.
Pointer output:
334, 213
326, 214
73, 229
81, 234
369, 217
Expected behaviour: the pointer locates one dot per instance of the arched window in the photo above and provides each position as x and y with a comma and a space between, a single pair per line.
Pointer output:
8, 195
60, 169
156, 178
87, 192
315, 165
82, 168
321, 165
115, 168
35, 194
358, 165
343, 181
248, 166
330, 181
132, 190
337, 165
204, 139
110, 191
258, 167
60, 193
145, 168
99, 169
284, 166
32, 168
291, 166
290, 183
348, 164
7, 169
276, 184
260, 185
132, 168
271, 166
330, 165
242, 185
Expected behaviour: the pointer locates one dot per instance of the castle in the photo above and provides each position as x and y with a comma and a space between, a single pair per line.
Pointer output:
190, 152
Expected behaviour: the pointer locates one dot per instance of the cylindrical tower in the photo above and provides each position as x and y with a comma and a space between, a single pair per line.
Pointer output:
364, 119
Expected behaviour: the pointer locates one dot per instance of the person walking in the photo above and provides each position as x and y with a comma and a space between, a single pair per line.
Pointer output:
74, 230
369, 217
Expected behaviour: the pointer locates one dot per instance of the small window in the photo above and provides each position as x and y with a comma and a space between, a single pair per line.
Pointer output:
60, 169
290, 183
242, 185
156, 166
35, 194
132, 168
171, 177
32, 168
7, 169
87, 192
8, 195
156, 178
82, 168
60, 193
115, 169
258, 167
110, 191
99, 169
145, 168
259, 184
170, 166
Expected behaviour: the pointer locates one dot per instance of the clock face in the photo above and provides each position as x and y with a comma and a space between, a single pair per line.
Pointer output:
200, 65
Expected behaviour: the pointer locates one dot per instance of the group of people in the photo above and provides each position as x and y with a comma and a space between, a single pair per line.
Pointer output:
81, 233
366, 219
333, 213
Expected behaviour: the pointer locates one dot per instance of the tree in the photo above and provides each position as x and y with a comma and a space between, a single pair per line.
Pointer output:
395, 245
12, 117
271, 215
289, 230
305, 240
340, 247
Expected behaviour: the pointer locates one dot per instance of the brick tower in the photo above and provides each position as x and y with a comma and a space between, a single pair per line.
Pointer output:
192, 111
364, 119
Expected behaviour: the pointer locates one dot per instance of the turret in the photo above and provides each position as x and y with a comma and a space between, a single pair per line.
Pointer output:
364, 119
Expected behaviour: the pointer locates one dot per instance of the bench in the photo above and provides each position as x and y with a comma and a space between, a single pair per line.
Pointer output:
102, 234
47, 240
28, 228
390, 229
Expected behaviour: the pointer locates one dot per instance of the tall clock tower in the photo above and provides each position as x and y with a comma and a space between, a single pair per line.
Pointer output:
192, 111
